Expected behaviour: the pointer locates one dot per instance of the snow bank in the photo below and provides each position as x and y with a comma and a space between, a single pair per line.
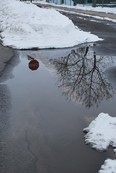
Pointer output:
26, 26
109, 166
101, 133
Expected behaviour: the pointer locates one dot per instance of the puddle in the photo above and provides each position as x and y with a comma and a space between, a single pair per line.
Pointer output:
53, 95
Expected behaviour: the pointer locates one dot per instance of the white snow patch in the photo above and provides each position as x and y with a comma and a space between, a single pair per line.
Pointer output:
26, 26
109, 166
101, 133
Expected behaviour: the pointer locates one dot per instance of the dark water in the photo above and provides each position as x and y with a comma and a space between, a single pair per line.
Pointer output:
43, 111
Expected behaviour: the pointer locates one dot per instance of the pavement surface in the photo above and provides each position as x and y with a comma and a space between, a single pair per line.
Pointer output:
92, 13
90, 22
5, 55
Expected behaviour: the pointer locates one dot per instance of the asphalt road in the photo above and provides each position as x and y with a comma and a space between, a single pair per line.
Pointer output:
41, 127
102, 28
88, 21
5, 55
100, 14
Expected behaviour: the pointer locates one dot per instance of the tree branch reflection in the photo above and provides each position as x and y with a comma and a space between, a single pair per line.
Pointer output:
81, 75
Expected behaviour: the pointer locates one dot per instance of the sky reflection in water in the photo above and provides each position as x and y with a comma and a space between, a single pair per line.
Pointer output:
80, 73
82, 77
33, 109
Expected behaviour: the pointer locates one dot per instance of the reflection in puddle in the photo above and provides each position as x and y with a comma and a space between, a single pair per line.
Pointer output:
81, 76
80, 71
33, 63
33, 138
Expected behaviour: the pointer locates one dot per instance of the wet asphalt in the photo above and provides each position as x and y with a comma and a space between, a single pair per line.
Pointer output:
5, 55
41, 121
102, 28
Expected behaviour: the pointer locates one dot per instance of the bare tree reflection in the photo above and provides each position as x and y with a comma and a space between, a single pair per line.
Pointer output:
81, 75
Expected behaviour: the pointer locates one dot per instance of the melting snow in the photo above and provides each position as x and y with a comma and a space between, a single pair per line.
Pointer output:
27, 26
101, 133
109, 166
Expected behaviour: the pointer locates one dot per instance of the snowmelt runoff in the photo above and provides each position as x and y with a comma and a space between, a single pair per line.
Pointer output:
24, 26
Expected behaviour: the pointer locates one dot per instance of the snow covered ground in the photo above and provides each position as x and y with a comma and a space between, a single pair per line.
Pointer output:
25, 25
109, 166
101, 133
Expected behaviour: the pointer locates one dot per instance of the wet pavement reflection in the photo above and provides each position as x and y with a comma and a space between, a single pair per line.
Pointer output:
81, 75
51, 96
33, 63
